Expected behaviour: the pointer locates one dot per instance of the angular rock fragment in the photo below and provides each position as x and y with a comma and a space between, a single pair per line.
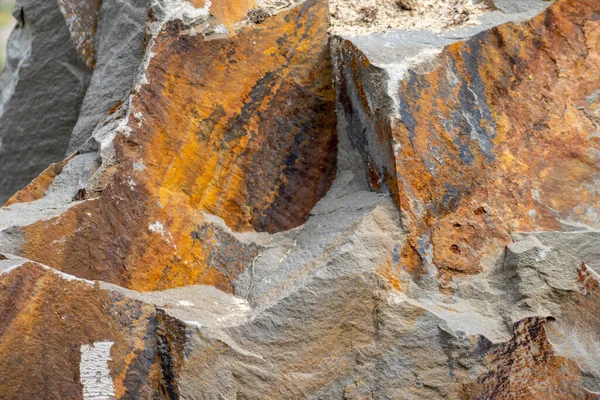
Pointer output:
188, 140
372, 334
482, 137
43, 84
50, 318
218, 230
118, 49
82, 20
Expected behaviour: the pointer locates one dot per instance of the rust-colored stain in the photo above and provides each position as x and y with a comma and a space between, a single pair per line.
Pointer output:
48, 319
500, 136
526, 367
241, 127
529, 366
228, 12
492, 141
81, 17
38, 187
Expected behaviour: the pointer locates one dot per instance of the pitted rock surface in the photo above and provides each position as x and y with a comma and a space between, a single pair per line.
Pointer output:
242, 202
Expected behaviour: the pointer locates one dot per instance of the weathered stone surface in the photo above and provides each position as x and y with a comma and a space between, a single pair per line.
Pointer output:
216, 236
81, 17
118, 51
485, 138
348, 332
189, 140
55, 319
43, 84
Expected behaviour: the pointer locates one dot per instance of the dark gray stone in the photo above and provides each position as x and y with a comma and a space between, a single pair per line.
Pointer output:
43, 85
119, 51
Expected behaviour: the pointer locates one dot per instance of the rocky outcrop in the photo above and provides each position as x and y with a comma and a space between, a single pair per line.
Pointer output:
252, 207
184, 144
472, 142
43, 84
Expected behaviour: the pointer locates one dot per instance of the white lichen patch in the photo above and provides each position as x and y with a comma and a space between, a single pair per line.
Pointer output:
139, 166
194, 324
94, 372
131, 184
273, 7
354, 17
157, 227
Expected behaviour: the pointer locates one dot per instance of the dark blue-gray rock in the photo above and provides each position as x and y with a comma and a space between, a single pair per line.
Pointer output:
42, 88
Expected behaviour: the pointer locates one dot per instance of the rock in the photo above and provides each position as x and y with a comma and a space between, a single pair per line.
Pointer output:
79, 339
118, 50
42, 64
374, 335
82, 21
281, 118
252, 207
443, 128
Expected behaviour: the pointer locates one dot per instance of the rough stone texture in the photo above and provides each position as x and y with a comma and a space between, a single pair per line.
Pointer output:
374, 334
484, 138
119, 48
215, 236
48, 316
190, 138
43, 83
81, 17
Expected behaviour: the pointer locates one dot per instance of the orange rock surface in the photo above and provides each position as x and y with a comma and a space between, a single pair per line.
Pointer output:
241, 127
498, 136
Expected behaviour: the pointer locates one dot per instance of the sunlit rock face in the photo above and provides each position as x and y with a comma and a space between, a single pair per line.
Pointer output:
482, 137
251, 203
238, 125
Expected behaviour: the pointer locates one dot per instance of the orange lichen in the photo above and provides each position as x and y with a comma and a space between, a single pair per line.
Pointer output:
48, 318
495, 127
240, 127
36, 189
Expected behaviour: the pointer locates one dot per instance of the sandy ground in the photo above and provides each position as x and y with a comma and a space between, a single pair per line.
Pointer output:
356, 17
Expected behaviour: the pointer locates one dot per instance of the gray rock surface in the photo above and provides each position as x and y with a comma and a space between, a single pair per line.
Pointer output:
119, 50
43, 84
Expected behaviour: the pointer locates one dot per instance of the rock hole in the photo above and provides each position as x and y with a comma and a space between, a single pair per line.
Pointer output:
455, 249
257, 15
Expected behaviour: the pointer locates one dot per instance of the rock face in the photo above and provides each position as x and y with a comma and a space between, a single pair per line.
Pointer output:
43, 84
466, 154
252, 206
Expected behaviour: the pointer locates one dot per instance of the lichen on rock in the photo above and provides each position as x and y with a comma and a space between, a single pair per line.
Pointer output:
288, 200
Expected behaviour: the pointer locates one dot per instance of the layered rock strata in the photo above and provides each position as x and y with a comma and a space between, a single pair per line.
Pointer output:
251, 207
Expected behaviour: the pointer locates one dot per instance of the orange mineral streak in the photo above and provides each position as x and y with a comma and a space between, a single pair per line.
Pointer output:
238, 106
530, 365
241, 127
499, 137
36, 189
49, 318
81, 17
228, 12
